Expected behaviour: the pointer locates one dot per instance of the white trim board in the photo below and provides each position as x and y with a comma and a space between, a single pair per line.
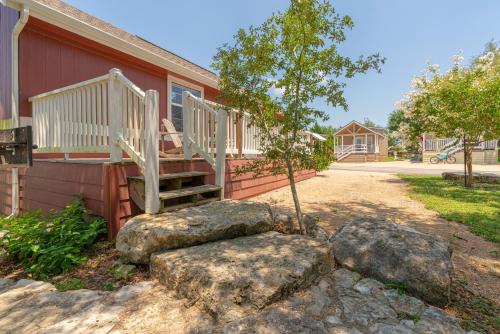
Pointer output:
364, 126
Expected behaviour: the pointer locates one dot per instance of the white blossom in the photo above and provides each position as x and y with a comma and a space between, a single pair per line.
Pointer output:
457, 59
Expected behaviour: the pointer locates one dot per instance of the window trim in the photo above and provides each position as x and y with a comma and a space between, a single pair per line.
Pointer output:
175, 80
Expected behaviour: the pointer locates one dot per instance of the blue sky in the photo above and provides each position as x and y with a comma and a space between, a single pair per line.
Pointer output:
409, 33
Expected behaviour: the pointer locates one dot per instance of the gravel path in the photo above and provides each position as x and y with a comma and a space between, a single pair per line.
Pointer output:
337, 196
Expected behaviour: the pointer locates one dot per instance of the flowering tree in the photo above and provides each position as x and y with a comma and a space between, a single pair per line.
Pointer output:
277, 70
463, 103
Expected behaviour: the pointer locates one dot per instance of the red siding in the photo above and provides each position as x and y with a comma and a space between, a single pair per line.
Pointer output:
8, 19
52, 185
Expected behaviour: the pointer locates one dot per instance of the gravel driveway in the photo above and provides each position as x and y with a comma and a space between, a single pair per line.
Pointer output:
415, 168
338, 196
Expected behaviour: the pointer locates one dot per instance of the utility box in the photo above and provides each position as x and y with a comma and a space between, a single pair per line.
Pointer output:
16, 148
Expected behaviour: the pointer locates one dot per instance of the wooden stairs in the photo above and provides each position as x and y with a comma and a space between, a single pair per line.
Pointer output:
177, 190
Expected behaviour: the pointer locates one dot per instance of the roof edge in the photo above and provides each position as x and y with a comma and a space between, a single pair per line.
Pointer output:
66, 22
364, 126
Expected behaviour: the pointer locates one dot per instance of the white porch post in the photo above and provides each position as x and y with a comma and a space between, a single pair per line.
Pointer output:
115, 113
151, 154
342, 138
220, 142
423, 142
186, 126
366, 142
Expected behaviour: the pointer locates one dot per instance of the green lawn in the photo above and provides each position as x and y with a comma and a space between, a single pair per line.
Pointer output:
478, 207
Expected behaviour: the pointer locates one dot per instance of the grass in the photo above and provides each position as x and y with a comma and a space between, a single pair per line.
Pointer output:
478, 207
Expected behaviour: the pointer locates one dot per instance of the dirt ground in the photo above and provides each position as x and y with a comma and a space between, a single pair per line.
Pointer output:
338, 196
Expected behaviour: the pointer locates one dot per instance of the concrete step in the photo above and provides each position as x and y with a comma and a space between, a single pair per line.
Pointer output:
229, 278
145, 234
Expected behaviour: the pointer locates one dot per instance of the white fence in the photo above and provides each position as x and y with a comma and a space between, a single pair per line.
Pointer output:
105, 114
445, 143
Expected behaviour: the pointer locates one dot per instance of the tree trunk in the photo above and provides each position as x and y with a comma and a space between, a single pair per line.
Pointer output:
468, 160
291, 178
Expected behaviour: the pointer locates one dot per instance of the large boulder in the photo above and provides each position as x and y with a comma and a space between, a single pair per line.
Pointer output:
394, 253
232, 277
146, 234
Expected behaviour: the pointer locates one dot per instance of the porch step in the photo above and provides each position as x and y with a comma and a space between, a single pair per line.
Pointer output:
171, 176
164, 195
176, 190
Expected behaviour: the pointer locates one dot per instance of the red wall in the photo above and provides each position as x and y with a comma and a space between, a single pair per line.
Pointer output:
52, 58
8, 19
52, 185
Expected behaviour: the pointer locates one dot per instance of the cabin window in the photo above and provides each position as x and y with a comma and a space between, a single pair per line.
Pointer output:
175, 105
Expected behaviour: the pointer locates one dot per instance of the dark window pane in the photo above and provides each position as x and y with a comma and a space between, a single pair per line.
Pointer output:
177, 117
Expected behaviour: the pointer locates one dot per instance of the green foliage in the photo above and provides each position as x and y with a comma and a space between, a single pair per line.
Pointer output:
324, 151
369, 123
277, 70
52, 243
460, 103
70, 284
401, 287
477, 207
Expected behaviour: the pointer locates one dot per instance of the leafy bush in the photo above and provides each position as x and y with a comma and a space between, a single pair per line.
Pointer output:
49, 244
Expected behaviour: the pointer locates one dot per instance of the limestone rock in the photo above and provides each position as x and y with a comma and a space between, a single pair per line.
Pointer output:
364, 310
275, 320
146, 234
403, 304
435, 320
231, 276
382, 328
391, 252
345, 278
368, 286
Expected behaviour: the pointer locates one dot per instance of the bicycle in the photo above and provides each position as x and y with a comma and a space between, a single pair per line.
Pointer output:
444, 157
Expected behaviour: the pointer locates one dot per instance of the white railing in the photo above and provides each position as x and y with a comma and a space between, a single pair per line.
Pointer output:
342, 151
205, 133
105, 114
445, 143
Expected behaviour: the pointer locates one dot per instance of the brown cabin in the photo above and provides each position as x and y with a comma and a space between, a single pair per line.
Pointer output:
356, 142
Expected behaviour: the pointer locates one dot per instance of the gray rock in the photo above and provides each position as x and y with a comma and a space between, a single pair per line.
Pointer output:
333, 320
345, 278
274, 321
435, 320
364, 310
382, 328
404, 304
408, 323
391, 252
318, 299
5, 284
343, 330
368, 286
230, 276
131, 291
310, 224
146, 234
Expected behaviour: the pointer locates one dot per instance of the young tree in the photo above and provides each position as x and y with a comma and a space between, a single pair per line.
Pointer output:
369, 123
462, 103
276, 70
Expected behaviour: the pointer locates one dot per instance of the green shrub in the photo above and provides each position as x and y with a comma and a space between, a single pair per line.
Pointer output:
49, 244
70, 284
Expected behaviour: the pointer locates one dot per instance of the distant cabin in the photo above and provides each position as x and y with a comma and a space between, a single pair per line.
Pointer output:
356, 142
